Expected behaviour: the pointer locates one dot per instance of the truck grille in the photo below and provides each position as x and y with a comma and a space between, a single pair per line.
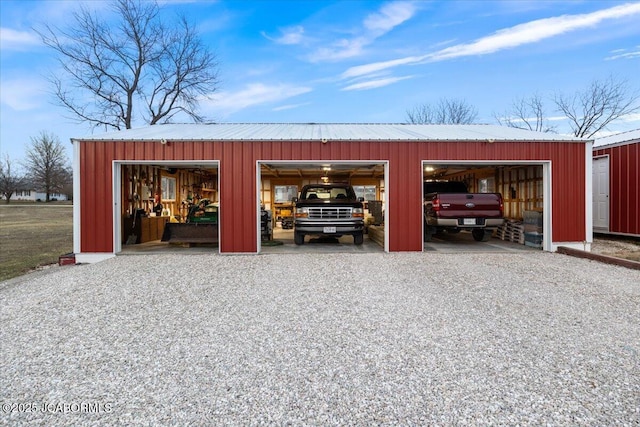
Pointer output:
329, 213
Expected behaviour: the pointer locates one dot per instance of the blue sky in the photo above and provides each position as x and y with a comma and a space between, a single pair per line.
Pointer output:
349, 61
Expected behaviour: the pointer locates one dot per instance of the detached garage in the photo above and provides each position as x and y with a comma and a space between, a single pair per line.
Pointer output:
616, 184
121, 177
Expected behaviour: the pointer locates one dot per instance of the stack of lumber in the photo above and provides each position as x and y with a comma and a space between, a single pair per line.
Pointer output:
512, 231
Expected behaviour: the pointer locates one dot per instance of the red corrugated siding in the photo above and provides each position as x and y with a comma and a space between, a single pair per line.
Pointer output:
96, 199
624, 187
238, 181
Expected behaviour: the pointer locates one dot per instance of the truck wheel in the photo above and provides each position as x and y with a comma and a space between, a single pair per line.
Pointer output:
481, 235
298, 238
358, 239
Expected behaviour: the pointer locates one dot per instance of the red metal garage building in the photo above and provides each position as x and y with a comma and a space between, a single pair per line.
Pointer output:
238, 149
616, 184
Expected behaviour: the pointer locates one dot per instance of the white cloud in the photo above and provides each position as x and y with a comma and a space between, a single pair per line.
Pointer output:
634, 117
289, 36
527, 33
555, 118
624, 54
376, 83
533, 119
361, 70
390, 16
18, 40
23, 94
341, 49
290, 106
534, 31
253, 94
374, 26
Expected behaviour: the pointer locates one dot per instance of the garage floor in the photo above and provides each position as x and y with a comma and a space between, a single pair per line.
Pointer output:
463, 242
163, 247
314, 245
443, 243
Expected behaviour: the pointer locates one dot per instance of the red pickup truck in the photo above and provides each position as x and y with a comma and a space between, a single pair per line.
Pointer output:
448, 206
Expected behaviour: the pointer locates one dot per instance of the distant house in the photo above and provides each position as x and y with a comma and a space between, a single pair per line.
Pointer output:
29, 194
616, 184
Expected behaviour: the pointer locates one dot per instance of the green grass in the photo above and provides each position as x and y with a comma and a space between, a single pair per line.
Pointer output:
32, 235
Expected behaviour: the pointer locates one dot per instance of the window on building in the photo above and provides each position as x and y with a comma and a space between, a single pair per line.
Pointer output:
285, 193
168, 188
487, 185
368, 192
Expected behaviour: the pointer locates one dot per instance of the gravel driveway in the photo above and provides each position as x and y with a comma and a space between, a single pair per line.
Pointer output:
390, 339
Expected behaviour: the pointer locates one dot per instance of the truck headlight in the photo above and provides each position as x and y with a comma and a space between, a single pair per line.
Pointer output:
357, 213
302, 212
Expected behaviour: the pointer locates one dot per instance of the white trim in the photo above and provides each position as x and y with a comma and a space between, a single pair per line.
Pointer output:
387, 204
117, 213
258, 193
547, 206
583, 246
588, 192
546, 182
385, 163
220, 205
117, 192
76, 197
93, 257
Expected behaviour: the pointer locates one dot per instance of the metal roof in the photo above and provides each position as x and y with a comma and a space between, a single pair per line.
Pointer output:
619, 138
326, 131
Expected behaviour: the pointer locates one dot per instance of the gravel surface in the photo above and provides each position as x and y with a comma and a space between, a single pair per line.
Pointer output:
388, 339
626, 249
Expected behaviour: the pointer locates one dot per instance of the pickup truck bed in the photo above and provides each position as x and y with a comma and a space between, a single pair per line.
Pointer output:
456, 210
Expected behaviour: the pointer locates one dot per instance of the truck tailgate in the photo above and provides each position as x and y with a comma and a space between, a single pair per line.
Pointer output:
469, 205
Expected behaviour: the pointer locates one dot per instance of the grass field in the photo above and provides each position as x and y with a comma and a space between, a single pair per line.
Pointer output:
32, 235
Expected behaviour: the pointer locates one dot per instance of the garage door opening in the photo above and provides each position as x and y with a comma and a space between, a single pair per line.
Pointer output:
524, 191
166, 206
279, 189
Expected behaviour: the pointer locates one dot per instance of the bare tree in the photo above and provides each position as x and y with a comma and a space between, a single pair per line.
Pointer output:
446, 111
141, 63
46, 164
602, 103
9, 180
527, 113
67, 186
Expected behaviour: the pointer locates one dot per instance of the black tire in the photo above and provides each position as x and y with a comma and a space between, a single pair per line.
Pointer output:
358, 239
298, 238
481, 235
